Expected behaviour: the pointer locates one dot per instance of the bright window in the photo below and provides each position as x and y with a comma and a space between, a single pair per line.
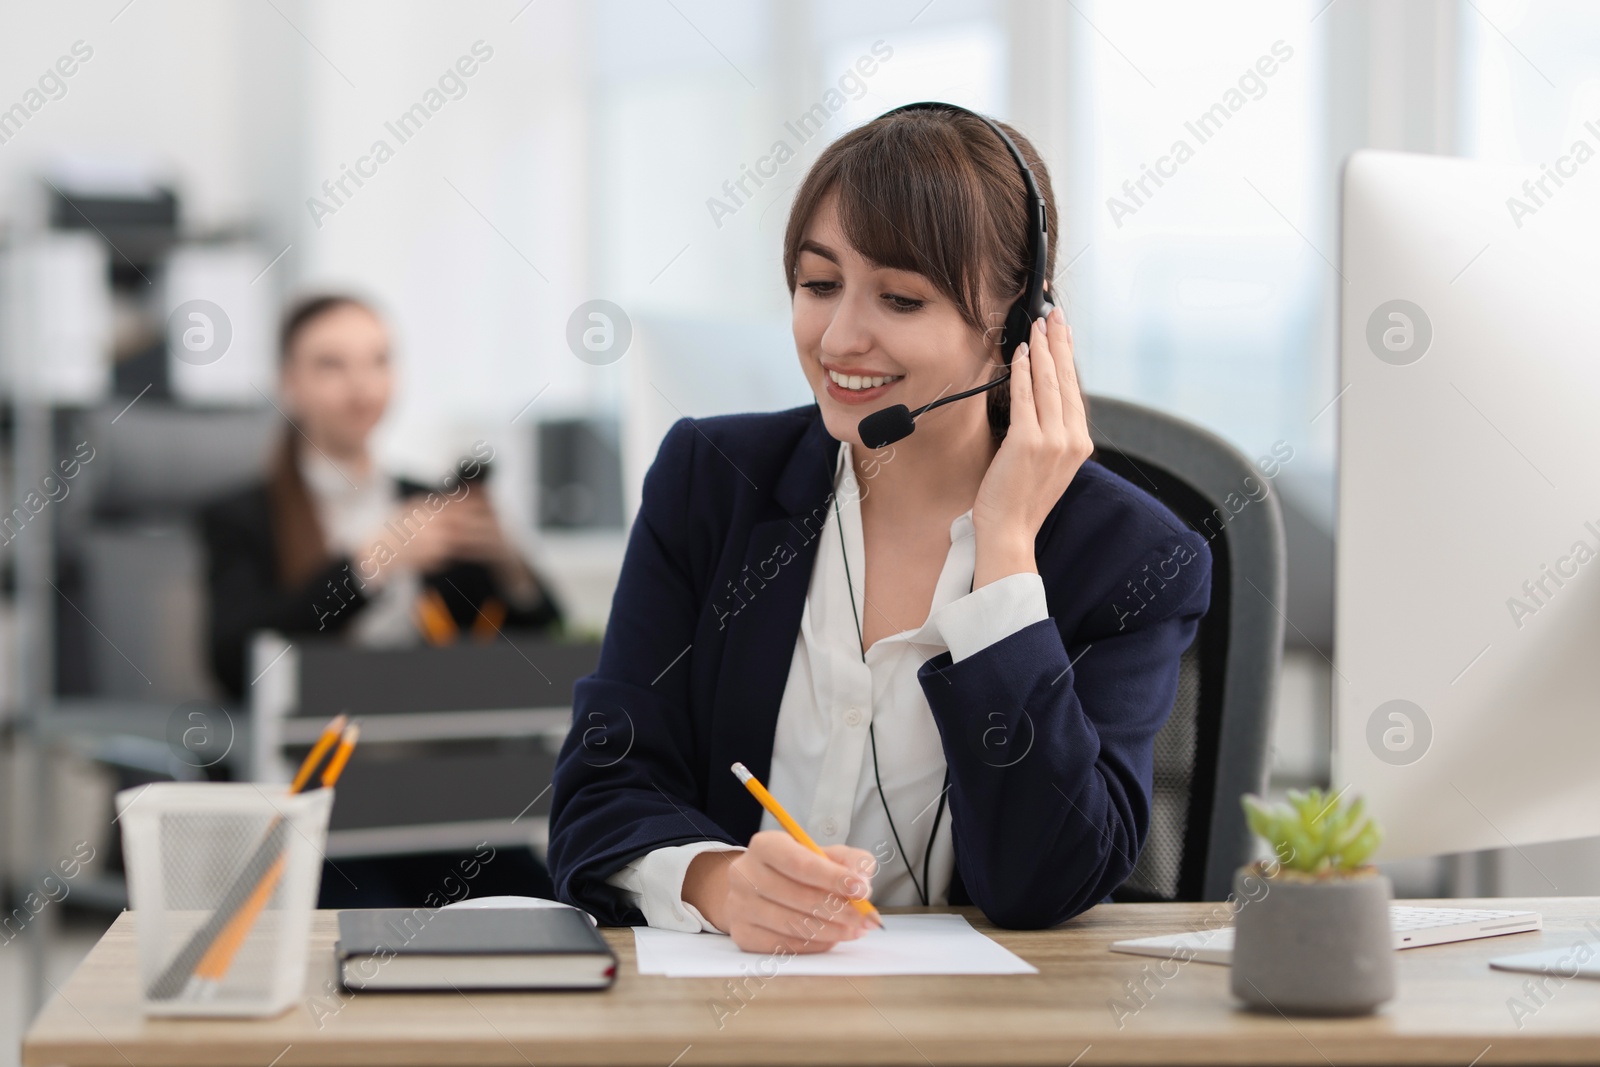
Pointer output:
1203, 283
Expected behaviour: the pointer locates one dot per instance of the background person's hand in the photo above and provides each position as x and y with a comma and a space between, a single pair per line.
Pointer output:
478, 535
413, 538
778, 894
466, 529
481, 539
1046, 444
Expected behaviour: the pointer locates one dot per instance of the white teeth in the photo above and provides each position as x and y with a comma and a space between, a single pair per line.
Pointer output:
856, 381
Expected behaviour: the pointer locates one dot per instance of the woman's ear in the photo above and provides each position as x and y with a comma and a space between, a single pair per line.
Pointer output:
995, 332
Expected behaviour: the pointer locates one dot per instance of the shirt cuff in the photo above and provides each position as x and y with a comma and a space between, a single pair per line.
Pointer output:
993, 613
653, 883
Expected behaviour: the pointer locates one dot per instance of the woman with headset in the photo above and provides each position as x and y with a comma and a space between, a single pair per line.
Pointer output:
948, 653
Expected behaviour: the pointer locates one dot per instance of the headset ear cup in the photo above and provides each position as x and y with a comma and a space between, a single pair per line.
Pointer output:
1018, 325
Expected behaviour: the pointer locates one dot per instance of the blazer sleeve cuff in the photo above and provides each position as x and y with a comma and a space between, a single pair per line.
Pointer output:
653, 883
993, 613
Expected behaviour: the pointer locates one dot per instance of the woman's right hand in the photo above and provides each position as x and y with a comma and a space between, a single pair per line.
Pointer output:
430, 539
779, 895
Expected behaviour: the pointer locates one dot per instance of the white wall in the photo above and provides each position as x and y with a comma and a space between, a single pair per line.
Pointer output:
165, 83
472, 236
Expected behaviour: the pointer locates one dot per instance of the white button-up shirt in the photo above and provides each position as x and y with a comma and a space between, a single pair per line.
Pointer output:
351, 508
822, 752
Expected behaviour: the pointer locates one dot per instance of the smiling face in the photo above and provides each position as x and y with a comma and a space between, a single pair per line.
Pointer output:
337, 378
869, 336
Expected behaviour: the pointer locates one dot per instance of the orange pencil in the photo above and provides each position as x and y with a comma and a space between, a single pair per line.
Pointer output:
347, 742
197, 968
330, 734
214, 965
796, 831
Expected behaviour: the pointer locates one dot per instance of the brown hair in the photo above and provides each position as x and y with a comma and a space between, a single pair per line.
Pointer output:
297, 534
936, 192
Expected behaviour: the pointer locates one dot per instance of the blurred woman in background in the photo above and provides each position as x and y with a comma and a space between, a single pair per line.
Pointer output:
328, 543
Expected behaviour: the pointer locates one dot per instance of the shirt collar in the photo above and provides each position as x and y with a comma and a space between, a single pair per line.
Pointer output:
330, 480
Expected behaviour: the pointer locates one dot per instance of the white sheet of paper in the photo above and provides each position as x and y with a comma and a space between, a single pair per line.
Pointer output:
907, 944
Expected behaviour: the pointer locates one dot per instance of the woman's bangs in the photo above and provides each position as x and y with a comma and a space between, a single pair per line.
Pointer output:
901, 215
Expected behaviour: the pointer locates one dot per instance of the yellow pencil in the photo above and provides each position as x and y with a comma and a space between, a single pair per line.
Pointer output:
308, 766
796, 831
347, 742
214, 965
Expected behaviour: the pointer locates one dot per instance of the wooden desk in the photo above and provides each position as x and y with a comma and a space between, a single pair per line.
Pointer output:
1452, 1009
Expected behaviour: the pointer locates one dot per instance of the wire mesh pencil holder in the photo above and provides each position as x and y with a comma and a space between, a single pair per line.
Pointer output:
222, 878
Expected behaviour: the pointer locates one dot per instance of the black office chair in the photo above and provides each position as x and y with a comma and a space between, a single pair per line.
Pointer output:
1214, 747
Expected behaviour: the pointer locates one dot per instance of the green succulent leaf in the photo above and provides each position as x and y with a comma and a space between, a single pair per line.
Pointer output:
1315, 831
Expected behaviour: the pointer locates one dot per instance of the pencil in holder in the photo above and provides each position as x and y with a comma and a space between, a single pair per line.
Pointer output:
222, 879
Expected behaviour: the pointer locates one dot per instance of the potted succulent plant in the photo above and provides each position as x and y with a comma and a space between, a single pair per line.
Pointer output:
1312, 933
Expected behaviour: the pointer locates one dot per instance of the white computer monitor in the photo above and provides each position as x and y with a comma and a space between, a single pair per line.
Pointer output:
1467, 632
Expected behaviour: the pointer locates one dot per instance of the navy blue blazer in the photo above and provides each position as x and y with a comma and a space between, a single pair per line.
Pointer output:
1047, 733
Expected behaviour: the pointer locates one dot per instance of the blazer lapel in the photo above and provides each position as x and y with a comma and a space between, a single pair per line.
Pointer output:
760, 604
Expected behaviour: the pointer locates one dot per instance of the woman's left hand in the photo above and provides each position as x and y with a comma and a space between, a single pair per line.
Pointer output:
482, 539
1047, 442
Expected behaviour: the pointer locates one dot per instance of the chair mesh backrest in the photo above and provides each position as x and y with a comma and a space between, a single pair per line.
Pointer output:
1160, 865
1171, 865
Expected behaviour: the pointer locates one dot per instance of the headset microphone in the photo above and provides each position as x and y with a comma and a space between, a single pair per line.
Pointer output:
894, 423
891, 424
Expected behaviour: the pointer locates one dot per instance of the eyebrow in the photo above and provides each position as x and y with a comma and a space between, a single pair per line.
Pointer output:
821, 250
828, 254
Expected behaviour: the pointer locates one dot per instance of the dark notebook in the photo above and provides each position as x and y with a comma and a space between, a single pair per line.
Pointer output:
472, 948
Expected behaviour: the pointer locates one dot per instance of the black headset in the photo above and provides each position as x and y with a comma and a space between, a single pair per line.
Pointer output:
891, 424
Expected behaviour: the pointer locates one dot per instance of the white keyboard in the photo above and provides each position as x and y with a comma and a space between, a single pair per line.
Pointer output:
1413, 928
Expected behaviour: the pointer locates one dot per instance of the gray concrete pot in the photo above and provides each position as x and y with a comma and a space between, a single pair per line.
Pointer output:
1313, 947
